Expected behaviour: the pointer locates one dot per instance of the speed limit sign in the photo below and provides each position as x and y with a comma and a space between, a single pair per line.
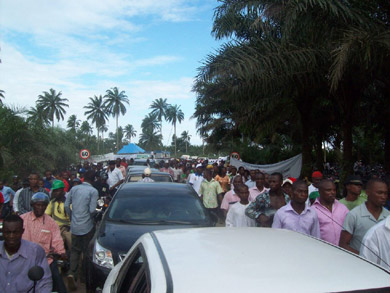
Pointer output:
235, 155
84, 154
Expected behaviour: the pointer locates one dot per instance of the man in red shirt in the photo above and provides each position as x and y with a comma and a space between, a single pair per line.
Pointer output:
43, 230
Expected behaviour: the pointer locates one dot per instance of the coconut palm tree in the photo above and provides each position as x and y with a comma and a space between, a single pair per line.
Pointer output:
115, 101
159, 107
97, 113
186, 137
53, 105
37, 117
1, 96
86, 128
150, 139
73, 123
103, 129
150, 121
130, 132
174, 114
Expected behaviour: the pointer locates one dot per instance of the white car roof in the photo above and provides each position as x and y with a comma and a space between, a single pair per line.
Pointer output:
252, 259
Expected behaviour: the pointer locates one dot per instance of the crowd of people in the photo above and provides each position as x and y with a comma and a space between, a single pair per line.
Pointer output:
51, 218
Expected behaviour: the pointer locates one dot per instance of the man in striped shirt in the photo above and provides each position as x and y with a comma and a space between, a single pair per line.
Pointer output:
26, 194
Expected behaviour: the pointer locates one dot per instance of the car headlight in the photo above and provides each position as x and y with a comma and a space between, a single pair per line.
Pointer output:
102, 256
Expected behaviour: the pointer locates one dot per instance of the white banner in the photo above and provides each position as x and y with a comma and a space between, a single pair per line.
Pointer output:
289, 168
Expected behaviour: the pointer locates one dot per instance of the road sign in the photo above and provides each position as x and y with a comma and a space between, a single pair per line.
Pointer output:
84, 154
235, 155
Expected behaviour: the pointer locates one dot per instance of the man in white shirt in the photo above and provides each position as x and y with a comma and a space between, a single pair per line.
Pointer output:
252, 180
196, 179
376, 244
115, 177
236, 215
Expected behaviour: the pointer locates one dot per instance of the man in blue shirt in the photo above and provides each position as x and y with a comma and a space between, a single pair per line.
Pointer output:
17, 256
8, 195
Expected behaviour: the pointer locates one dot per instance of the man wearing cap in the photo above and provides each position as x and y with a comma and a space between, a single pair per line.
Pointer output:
196, 179
26, 194
331, 213
352, 189
363, 217
115, 177
316, 178
56, 210
146, 176
42, 229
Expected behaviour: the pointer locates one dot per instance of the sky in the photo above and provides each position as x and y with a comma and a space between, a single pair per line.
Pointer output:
149, 49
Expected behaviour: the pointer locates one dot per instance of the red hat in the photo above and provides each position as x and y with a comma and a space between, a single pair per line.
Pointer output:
292, 179
316, 174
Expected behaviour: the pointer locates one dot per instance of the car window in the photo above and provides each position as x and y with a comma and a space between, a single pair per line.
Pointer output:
136, 279
155, 177
157, 208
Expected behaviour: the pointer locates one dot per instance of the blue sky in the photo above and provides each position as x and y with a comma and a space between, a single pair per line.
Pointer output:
149, 49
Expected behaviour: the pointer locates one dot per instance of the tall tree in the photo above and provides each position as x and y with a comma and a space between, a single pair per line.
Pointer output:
159, 108
186, 137
130, 132
86, 128
150, 121
1, 96
174, 115
53, 105
150, 139
97, 112
103, 129
73, 123
37, 117
115, 101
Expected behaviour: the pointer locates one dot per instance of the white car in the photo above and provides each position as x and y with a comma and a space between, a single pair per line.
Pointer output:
241, 260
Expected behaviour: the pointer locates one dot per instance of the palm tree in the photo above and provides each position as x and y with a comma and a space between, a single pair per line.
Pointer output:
150, 139
186, 137
36, 116
97, 113
174, 114
159, 107
86, 128
150, 121
53, 105
73, 123
103, 129
130, 132
1, 96
115, 104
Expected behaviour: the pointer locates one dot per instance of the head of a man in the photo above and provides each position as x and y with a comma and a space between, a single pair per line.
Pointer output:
376, 192
260, 178
89, 176
353, 185
237, 180
223, 172
233, 171
327, 191
287, 186
48, 174
33, 179
199, 169
316, 178
111, 165
299, 192
12, 232
39, 202
118, 162
252, 173
207, 175
65, 175
58, 189
99, 166
275, 181
242, 192
241, 171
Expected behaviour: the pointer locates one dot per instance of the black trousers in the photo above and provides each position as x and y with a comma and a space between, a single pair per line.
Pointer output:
79, 246
58, 283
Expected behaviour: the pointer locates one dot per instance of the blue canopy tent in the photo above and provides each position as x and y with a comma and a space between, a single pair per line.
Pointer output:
131, 148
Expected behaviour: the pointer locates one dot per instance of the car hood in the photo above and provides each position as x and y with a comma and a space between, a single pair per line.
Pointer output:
119, 237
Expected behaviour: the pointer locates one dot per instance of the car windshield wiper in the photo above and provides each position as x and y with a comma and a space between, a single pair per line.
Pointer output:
135, 222
175, 222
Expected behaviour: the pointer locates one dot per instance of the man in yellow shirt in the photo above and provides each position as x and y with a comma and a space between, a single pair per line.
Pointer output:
56, 210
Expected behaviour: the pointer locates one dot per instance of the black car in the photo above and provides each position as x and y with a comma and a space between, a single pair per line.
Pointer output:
138, 208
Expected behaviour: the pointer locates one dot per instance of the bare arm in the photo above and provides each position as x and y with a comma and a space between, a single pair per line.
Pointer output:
345, 240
